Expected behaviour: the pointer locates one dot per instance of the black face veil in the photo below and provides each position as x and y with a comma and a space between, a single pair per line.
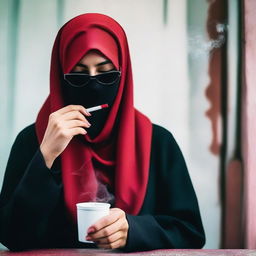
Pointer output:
90, 95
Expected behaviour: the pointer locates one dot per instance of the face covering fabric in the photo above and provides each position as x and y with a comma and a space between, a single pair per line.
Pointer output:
90, 95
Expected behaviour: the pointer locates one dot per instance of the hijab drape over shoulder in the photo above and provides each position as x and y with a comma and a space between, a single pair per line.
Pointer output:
121, 151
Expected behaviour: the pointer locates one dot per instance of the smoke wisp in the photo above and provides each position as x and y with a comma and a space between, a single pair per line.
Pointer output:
199, 46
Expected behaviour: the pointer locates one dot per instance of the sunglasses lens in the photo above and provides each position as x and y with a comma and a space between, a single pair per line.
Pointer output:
77, 80
108, 78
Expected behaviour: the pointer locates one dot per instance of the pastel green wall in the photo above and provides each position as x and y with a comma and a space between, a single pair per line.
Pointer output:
204, 165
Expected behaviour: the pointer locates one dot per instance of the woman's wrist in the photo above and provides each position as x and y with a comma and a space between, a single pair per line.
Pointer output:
47, 157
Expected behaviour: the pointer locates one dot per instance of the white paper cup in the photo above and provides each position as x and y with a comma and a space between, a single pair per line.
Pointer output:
87, 214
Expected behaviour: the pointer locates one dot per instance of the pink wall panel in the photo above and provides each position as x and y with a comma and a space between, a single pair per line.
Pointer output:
249, 122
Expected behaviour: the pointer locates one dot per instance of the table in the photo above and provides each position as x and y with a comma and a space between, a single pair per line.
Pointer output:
96, 252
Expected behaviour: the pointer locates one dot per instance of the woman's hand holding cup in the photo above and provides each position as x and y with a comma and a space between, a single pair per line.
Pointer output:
111, 231
62, 126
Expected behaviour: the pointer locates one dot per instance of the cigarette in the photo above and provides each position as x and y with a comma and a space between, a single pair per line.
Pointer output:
97, 108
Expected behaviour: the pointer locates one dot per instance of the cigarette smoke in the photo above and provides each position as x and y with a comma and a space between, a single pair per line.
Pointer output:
199, 46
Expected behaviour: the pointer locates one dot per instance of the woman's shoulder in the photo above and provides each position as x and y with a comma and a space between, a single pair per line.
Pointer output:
27, 136
161, 134
163, 140
28, 131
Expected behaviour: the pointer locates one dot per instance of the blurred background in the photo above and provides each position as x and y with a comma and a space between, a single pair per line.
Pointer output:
189, 66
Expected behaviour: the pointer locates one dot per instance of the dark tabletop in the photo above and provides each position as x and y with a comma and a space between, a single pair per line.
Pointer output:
84, 252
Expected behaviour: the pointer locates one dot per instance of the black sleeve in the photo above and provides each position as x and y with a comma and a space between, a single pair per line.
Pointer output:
170, 216
30, 193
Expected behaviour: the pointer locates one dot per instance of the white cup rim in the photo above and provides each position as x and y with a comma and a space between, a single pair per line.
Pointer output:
92, 206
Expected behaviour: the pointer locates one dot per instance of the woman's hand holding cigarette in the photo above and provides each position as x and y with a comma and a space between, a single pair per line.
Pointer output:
63, 124
111, 231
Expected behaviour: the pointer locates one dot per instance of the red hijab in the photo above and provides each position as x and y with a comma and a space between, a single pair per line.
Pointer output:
121, 158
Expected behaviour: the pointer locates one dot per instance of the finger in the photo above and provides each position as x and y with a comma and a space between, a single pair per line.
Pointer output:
75, 131
76, 123
110, 239
107, 231
117, 244
73, 115
104, 222
114, 209
71, 108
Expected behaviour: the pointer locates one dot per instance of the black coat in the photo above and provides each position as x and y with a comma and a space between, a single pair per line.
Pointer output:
33, 214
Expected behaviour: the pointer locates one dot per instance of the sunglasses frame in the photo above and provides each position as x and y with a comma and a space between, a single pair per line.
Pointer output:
92, 77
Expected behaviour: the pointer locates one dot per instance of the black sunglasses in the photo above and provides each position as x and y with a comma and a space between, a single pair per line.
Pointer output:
82, 79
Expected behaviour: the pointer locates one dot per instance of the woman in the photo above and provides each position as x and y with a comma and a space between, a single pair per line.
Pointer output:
115, 154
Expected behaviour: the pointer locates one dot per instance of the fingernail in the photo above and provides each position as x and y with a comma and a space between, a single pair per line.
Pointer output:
88, 238
87, 123
87, 113
90, 230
